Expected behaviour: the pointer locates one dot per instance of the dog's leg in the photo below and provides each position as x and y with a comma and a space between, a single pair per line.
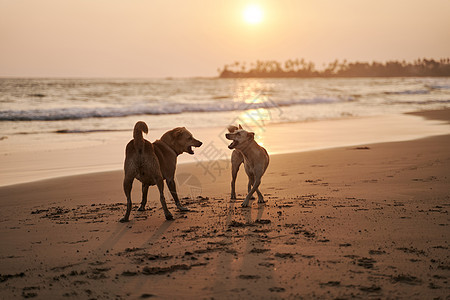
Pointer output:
173, 192
127, 185
260, 196
236, 160
251, 179
252, 191
234, 172
167, 213
144, 197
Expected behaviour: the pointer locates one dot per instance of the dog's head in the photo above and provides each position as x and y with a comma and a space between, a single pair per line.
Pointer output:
239, 137
181, 140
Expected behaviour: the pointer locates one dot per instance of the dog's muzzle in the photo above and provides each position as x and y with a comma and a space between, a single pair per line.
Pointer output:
197, 144
233, 144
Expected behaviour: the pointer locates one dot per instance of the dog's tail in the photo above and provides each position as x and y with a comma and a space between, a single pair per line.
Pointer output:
137, 135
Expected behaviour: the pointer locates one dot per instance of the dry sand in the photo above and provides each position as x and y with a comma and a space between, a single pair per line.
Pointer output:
356, 222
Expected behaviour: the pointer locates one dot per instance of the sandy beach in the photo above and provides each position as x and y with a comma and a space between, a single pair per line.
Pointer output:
365, 221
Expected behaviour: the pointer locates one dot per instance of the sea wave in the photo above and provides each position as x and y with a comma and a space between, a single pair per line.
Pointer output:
438, 86
166, 108
427, 102
408, 92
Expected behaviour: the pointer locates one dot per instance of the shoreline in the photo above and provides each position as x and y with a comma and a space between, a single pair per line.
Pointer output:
19, 164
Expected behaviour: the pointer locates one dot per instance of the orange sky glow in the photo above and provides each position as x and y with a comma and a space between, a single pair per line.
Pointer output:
119, 38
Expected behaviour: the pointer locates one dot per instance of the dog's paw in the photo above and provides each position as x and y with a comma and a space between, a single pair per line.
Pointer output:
169, 217
141, 208
182, 208
233, 196
123, 220
244, 204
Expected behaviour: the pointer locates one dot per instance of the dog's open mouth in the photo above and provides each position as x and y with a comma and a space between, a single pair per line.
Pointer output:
189, 150
196, 145
233, 144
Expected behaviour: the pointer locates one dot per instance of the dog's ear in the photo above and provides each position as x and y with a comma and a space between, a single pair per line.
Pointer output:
240, 127
232, 128
251, 135
177, 132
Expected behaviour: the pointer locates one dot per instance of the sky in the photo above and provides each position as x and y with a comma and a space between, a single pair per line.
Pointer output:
180, 38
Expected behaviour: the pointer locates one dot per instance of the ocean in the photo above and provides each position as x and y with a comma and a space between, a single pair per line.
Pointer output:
62, 127
53, 107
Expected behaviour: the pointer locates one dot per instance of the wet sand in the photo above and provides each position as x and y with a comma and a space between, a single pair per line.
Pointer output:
25, 158
367, 221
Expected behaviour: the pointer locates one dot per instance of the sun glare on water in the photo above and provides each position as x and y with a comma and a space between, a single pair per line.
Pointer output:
253, 14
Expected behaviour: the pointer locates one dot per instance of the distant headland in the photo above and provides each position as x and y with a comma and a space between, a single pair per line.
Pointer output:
299, 68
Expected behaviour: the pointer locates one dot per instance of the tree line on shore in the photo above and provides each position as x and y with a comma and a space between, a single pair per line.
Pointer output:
299, 68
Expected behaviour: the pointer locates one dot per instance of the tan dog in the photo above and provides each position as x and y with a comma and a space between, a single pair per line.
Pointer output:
255, 157
152, 163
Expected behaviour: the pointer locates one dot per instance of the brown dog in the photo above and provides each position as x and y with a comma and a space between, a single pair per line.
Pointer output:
255, 157
152, 163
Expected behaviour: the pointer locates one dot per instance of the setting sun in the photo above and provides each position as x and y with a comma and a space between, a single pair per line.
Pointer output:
253, 14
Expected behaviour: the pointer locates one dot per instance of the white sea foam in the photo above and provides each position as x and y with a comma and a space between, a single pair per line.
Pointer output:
167, 108
99, 105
